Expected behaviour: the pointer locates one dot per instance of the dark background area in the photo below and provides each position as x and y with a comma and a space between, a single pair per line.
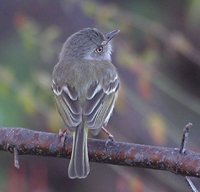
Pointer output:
158, 59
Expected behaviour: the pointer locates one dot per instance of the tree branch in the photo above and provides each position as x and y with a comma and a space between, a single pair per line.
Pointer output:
28, 142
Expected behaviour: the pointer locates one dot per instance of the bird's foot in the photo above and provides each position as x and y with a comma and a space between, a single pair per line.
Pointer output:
110, 136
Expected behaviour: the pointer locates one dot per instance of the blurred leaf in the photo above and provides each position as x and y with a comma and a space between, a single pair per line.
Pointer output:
28, 31
10, 113
120, 103
150, 56
180, 43
26, 99
136, 185
107, 19
125, 57
48, 44
19, 20
194, 13
157, 128
129, 183
6, 76
104, 15
54, 121
144, 86
43, 80
89, 7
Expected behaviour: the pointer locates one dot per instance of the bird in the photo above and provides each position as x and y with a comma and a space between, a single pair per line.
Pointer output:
85, 84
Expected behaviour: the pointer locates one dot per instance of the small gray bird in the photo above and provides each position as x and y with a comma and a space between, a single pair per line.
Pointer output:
85, 84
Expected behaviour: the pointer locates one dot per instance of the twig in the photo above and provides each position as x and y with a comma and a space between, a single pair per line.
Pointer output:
189, 182
16, 158
29, 142
183, 150
185, 138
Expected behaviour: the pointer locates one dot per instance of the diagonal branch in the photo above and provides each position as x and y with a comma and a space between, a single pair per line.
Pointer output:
28, 142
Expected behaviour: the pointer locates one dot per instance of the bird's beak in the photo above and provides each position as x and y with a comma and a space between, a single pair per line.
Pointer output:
110, 35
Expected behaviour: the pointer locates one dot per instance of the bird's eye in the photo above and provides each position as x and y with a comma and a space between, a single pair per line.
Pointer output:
99, 49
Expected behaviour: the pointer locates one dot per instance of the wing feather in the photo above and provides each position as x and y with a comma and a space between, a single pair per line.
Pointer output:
98, 108
68, 105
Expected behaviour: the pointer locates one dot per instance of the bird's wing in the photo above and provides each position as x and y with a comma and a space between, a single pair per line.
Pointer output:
68, 105
100, 103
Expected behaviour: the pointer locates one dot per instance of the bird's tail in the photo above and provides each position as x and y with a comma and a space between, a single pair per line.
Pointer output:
79, 164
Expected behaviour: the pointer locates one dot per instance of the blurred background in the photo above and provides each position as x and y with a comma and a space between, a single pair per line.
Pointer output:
158, 58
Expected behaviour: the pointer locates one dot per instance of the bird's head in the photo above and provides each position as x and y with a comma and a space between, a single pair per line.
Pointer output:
89, 44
